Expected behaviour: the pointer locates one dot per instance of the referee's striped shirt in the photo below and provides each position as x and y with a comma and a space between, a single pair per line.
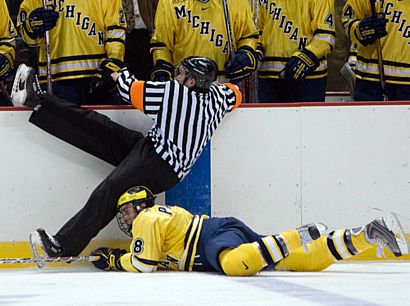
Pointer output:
185, 119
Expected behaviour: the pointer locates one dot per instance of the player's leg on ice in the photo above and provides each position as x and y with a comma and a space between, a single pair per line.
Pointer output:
345, 243
250, 258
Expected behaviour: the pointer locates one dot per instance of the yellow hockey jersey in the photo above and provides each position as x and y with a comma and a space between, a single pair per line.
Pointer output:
192, 27
395, 46
86, 33
289, 26
164, 237
7, 34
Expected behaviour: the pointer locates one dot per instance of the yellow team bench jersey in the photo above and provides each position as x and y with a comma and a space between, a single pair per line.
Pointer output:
395, 46
7, 34
289, 26
86, 33
197, 28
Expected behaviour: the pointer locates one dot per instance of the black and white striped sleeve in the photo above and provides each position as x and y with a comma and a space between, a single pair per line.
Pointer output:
124, 85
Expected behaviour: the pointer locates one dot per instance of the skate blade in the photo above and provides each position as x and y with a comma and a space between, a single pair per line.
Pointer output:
37, 249
392, 222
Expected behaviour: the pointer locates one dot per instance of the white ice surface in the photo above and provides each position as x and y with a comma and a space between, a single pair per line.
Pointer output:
364, 283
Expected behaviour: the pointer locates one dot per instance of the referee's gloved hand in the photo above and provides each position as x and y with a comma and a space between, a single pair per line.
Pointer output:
243, 64
40, 20
162, 72
110, 259
300, 64
5, 67
371, 28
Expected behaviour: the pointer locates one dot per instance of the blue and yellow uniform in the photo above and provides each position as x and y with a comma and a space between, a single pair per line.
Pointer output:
164, 237
87, 32
169, 237
191, 27
7, 34
394, 48
289, 26
395, 45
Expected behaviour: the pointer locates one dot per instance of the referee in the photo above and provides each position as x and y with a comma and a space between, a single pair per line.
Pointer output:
186, 112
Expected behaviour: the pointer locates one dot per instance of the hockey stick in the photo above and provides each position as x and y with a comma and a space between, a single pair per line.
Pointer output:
251, 83
48, 57
231, 48
44, 260
379, 56
41, 260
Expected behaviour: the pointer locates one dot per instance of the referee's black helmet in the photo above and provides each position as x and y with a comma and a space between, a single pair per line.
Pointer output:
203, 69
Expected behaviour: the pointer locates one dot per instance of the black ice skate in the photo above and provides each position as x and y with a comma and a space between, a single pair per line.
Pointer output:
50, 246
387, 232
26, 88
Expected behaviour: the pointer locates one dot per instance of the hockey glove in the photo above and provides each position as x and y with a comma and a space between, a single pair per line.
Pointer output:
243, 64
371, 28
299, 65
102, 83
110, 259
41, 20
162, 72
5, 67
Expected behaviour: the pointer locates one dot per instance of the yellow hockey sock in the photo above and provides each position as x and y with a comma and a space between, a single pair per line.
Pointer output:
277, 247
244, 260
346, 243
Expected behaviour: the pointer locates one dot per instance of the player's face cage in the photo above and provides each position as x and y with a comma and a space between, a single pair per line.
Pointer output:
126, 216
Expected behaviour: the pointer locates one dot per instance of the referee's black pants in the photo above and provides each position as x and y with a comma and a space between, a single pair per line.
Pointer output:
129, 151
